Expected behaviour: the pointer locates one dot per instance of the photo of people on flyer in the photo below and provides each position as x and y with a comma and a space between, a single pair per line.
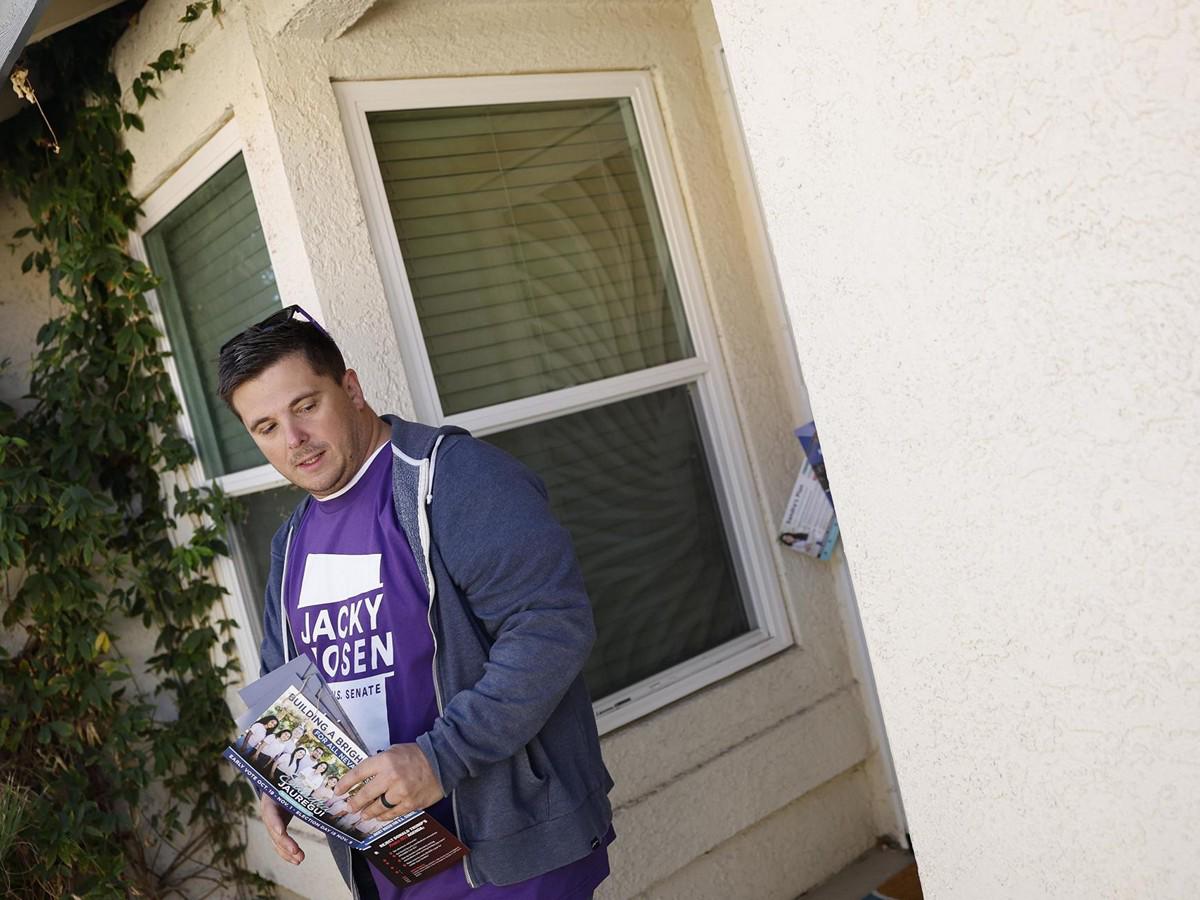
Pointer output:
300, 756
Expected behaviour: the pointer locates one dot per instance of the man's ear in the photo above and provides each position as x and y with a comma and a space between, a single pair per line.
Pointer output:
353, 389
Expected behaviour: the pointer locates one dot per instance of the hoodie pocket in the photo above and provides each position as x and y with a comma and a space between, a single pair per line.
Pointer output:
532, 777
520, 796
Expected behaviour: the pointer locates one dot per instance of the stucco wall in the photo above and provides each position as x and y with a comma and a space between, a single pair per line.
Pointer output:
777, 756
985, 217
24, 304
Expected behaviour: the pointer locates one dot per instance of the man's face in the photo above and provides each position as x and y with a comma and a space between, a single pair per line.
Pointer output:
313, 430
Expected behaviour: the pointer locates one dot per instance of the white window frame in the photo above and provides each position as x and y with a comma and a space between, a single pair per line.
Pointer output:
746, 523
202, 165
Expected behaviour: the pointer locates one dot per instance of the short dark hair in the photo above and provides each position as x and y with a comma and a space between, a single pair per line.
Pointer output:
261, 346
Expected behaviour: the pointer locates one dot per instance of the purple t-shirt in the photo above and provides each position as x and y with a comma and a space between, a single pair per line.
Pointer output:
358, 608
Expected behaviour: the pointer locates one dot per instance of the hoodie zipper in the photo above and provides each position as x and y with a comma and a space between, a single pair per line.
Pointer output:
283, 619
425, 497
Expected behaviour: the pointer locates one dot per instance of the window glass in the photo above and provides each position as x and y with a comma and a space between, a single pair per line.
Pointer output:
265, 511
533, 246
630, 482
216, 279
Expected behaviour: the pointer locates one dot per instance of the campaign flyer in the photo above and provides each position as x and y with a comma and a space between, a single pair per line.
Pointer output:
420, 849
295, 752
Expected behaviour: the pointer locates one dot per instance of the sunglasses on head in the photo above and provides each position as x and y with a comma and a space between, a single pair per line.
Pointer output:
273, 320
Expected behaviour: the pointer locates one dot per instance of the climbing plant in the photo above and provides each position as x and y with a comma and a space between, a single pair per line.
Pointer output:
111, 782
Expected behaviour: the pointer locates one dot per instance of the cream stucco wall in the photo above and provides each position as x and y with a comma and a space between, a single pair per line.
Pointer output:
986, 218
24, 305
771, 775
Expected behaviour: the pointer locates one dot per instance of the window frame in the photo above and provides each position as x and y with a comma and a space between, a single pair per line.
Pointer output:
746, 523
218, 150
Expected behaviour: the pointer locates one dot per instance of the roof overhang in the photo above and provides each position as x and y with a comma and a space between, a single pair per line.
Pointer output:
60, 14
18, 18
22, 22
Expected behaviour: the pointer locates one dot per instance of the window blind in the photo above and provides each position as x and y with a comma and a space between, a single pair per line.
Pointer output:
216, 279
533, 246
630, 481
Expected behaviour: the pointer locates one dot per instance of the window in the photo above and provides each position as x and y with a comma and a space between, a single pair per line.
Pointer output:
630, 482
546, 293
202, 236
216, 279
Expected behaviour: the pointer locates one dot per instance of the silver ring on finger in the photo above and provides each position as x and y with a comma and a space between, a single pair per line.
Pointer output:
384, 800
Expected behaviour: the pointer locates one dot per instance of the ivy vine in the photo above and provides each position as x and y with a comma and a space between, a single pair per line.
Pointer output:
105, 789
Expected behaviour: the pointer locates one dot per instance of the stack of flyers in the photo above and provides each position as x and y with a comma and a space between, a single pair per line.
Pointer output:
295, 743
815, 456
809, 523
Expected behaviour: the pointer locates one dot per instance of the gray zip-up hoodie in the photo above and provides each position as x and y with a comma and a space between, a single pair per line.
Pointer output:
515, 744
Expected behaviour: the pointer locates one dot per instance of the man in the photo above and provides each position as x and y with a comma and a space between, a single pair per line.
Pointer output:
428, 580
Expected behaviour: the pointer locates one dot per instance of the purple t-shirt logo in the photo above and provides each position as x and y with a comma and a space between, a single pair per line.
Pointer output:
338, 611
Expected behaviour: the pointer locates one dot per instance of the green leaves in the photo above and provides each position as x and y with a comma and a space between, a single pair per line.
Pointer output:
85, 533
195, 10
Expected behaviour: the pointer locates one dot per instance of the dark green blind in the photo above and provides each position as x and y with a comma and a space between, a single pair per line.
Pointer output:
533, 246
630, 482
216, 280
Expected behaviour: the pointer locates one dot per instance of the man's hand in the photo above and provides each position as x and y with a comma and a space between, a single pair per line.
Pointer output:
276, 818
401, 774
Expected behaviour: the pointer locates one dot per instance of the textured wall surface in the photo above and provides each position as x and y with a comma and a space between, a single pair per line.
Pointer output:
24, 304
986, 218
777, 757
